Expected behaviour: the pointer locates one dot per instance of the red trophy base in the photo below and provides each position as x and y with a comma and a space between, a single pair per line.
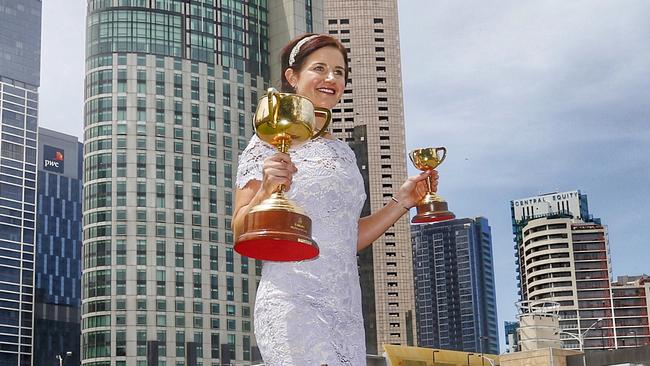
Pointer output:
277, 235
432, 212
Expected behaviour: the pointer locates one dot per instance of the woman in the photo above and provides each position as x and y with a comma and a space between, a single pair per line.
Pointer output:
309, 313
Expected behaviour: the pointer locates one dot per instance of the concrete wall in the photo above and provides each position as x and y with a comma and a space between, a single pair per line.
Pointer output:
633, 356
540, 357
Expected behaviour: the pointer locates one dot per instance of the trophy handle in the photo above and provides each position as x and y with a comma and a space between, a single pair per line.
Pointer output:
412, 156
328, 119
444, 154
272, 95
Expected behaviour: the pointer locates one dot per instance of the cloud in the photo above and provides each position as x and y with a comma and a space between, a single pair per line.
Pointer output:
529, 97
62, 66
532, 97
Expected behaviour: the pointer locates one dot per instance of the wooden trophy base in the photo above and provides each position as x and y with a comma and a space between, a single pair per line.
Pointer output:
277, 235
432, 212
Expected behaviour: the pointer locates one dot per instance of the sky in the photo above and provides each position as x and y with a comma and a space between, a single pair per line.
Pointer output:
528, 97
532, 97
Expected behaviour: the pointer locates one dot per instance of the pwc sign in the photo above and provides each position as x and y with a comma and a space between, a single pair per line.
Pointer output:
53, 159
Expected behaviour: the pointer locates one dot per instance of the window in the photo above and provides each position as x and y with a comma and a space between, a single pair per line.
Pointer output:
180, 287
179, 254
196, 255
141, 282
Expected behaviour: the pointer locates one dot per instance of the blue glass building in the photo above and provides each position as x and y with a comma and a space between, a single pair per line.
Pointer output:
20, 32
454, 286
57, 311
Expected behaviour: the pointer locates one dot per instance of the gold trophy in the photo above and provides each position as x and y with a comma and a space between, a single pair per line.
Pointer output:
432, 207
277, 229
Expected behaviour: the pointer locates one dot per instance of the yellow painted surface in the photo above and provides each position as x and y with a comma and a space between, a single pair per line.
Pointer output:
418, 356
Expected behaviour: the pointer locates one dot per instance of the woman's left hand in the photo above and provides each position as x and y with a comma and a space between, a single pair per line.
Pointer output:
416, 187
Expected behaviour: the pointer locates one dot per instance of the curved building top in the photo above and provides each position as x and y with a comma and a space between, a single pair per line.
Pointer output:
231, 34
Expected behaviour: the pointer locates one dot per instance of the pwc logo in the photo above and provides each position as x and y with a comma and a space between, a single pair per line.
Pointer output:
53, 159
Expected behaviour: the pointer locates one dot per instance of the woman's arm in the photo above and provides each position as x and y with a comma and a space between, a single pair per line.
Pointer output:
278, 169
410, 193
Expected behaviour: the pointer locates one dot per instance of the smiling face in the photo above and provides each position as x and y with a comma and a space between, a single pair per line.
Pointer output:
321, 78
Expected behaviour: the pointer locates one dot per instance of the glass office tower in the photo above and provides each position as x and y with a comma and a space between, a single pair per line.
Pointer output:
171, 87
57, 302
20, 46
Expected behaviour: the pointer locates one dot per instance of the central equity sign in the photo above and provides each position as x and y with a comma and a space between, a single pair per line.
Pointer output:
552, 197
53, 159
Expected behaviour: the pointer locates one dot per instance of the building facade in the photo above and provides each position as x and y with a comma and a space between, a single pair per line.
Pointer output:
631, 299
288, 19
20, 47
171, 88
454, 285
371, 113
563, 256
512, 339
57, 307
20, 44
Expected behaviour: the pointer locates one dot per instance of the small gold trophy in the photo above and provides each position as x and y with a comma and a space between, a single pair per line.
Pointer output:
277, 229
432, 207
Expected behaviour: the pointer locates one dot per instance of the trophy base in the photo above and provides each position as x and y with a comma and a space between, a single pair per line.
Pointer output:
432, 212
277, 235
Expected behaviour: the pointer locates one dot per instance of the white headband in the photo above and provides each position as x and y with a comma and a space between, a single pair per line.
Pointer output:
296, 48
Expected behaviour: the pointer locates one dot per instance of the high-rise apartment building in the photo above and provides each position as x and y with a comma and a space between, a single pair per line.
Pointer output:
171, 88
371, 114
20, 48
57, 301
563, 256
630, 298
454, 285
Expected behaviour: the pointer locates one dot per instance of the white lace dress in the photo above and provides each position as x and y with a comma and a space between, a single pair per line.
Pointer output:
309, 313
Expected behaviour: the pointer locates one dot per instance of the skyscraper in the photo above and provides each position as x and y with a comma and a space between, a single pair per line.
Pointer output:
371, 117
563, 256
20, 44
454, 285
57, 302
20, 48
171, 86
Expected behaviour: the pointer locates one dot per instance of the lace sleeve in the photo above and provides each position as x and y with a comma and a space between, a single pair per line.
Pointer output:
252, 160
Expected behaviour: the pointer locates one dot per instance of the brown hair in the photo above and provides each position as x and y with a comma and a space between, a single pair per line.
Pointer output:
322, 40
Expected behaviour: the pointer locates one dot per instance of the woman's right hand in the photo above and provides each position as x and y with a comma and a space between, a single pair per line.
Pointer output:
277, 170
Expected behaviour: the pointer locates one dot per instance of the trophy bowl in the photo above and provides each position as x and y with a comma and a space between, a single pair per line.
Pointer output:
431, 208
277, 229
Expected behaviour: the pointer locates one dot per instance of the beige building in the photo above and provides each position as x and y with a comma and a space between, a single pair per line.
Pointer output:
371, 118
539, 324
563, 256
567, 261
631, 299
